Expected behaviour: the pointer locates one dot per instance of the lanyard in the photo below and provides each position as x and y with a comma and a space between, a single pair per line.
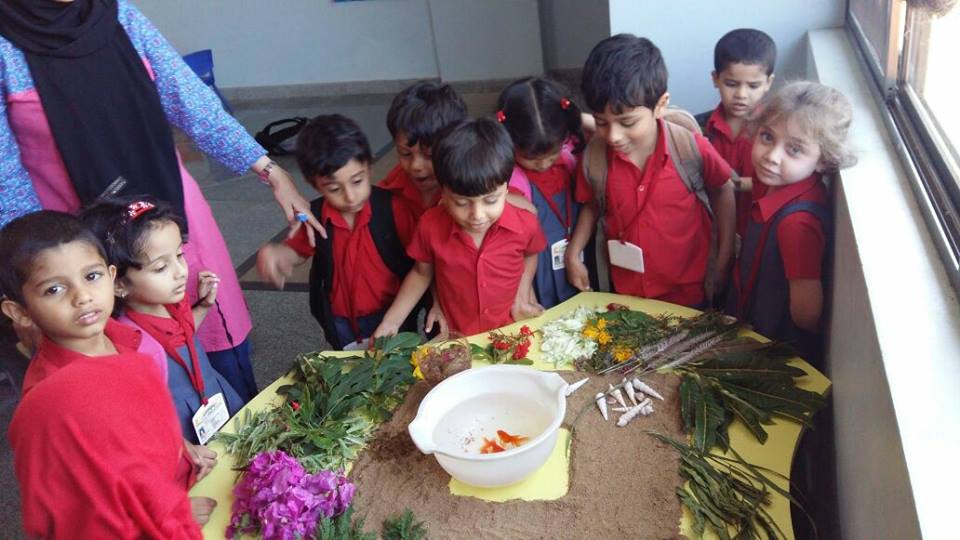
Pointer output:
195, 375
565, 221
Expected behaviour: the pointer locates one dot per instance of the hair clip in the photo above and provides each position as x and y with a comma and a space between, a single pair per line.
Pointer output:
564, 103
136, 209
501, 117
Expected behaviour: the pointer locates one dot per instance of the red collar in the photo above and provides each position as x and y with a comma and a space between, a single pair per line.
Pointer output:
335, 217
398, 181
771, 203
718, 123
51, 357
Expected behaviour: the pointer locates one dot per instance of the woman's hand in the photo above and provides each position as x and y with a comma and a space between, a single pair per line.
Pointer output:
295, 208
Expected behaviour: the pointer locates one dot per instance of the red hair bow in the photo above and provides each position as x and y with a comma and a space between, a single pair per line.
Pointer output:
501, 117
136, 209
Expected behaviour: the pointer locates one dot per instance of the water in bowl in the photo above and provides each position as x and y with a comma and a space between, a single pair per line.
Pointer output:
464, 427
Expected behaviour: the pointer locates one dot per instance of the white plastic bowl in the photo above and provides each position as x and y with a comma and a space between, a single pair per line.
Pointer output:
458, 413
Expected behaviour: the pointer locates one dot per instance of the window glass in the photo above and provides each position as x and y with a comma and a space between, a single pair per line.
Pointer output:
930, 68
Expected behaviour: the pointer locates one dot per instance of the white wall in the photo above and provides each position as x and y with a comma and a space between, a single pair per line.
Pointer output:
570, 28
687, 30
267, 43
260, 43
489, 39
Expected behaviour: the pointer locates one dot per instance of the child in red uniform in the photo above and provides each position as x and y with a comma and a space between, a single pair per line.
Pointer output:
144, 241
415, 117
743, 63
480, 250
358, 268
97, 447
659, 230
545, 127
778, 280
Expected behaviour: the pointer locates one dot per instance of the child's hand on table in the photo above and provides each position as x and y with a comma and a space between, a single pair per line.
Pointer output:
203, 459
436, 319
386, 329
525, 309
577, 273
201, 508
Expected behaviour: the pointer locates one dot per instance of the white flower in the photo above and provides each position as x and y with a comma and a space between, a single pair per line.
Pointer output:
563, 341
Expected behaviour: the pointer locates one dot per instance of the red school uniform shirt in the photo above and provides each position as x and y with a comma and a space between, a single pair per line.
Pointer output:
737, 151
800, 235
362, 283
98, 448
403, 188
652, 208
477, 286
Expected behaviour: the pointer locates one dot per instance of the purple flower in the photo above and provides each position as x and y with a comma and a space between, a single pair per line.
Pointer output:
280, 499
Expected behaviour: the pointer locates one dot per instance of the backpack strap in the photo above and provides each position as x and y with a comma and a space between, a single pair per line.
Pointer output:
686, 157
321, 279
383, 229
595, 171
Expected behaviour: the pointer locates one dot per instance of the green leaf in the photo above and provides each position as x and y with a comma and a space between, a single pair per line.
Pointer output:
403, 527
689, 395
708, 415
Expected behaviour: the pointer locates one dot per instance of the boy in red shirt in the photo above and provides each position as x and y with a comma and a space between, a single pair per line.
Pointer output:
480, 250
358, 268
659, 230
98, 451
743, 63
415, 117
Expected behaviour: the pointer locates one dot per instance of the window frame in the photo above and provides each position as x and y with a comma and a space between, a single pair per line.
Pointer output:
915, 134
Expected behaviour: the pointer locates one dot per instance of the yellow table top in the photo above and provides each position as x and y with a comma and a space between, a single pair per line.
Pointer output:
776, 454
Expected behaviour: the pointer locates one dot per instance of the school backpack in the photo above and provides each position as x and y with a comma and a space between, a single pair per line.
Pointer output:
279, 138
383, 230
682, 146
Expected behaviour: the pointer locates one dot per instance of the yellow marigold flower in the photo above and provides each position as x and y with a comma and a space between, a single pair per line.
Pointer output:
603, 337
590, 332
601, 324
621, 353
418, 354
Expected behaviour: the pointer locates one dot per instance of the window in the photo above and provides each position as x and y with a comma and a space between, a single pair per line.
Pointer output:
911, 47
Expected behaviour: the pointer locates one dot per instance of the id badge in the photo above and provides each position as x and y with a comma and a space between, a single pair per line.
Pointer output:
210, 417
557, 251
625, 255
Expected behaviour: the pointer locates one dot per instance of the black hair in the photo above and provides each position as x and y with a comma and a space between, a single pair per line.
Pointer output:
421, 111
123, 230
473, 157
327, 143
539, 115
624, 71
25, 238
745, 46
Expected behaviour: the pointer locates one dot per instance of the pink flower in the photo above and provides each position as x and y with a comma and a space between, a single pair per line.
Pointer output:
280, 499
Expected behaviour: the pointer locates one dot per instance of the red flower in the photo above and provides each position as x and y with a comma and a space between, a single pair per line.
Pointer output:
525, 330
501, 345
294, 405
521, 351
